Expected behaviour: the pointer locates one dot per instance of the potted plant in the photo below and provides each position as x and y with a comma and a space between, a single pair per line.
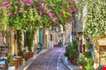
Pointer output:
72, 52
89, 64
81, 61
89, 61
67, 50
29, 44
73, 56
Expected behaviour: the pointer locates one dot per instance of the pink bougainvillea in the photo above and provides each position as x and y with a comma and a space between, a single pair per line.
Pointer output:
5, 4
50, 14
27, 2
73, 10
11, 14
42, 8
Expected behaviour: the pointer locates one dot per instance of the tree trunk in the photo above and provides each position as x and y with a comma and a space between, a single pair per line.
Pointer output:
19, 42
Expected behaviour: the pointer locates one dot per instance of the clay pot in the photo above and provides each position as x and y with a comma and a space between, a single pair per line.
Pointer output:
17, 61
28, 55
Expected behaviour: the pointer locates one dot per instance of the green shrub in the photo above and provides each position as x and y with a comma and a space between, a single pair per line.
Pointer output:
72, 50
10, 59
89, 64
81, 60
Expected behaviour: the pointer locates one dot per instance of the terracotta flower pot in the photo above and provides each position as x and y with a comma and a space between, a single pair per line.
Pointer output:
17, 62
20, 60
28, 55
73, 61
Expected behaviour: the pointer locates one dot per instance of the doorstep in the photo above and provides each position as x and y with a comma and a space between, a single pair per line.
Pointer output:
69, 65
29, 62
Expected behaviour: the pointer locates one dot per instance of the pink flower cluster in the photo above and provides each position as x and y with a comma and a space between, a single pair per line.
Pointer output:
52, 16
5, 4
42, 8
73, 10
11, 14
27, 2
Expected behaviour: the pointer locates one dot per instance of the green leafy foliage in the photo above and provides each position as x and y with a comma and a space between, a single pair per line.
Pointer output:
86, 61
30, 37
3, 19
95, 24
61, 8
22, 16
72, 50
81, 60
19, 42
89, 64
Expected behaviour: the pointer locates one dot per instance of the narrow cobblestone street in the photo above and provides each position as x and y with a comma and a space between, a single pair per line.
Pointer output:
51, 60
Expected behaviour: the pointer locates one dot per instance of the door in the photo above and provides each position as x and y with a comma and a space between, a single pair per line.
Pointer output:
40, 43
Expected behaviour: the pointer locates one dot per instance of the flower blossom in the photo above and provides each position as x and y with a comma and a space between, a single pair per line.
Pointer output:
27, 2
5, 4
50, 14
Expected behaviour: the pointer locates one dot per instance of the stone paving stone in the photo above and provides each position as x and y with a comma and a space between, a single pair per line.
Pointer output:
51, 60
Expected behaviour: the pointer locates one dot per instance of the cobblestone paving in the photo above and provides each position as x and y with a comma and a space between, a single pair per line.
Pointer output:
51, 60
